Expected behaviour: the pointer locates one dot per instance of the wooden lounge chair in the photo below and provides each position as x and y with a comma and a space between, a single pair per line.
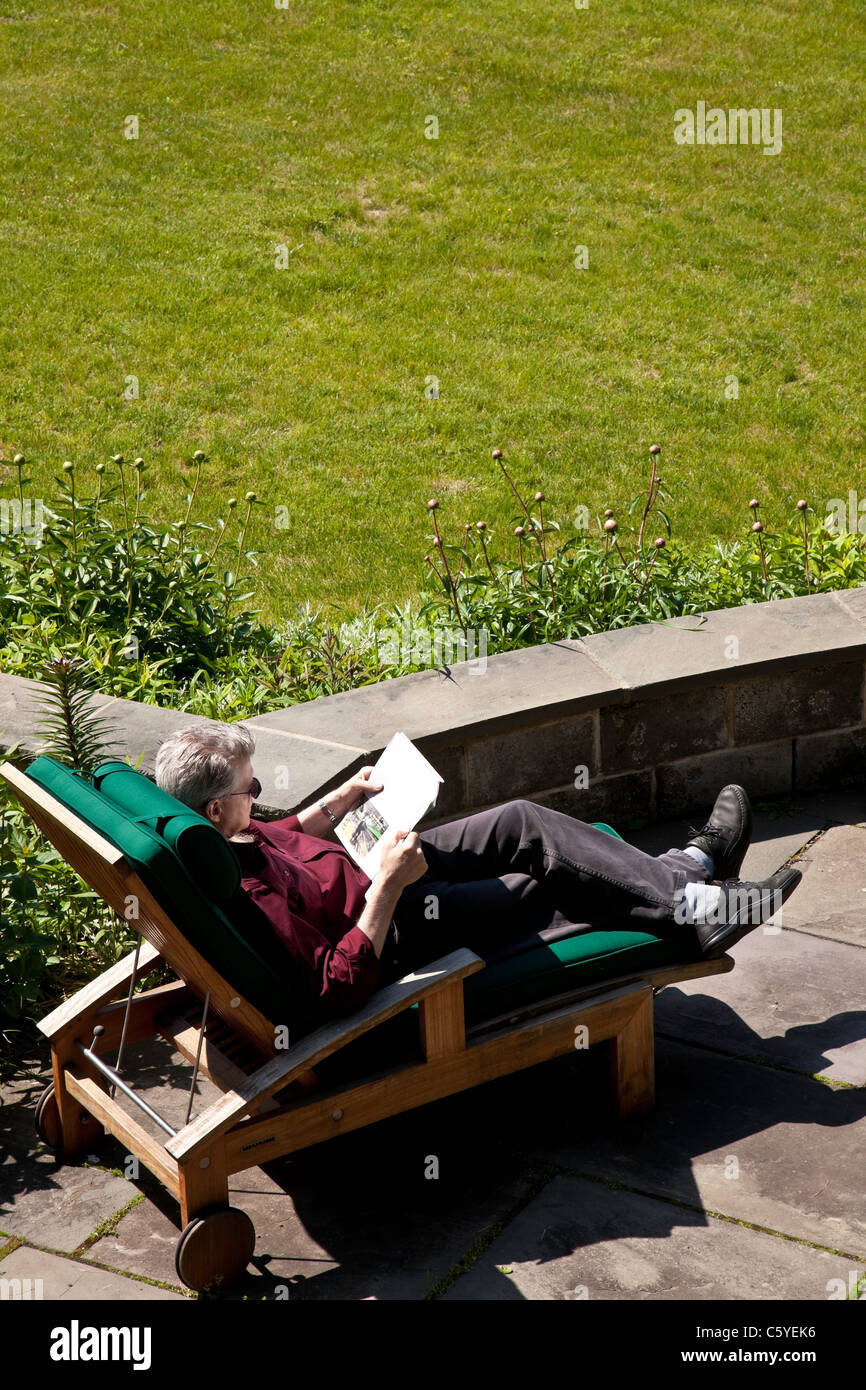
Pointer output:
454, 1024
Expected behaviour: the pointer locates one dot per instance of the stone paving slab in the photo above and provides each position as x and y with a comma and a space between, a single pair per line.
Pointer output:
18, 1098
579, 1239
50, 1202
792, 999
831, 900
798, 1144
71, 1279
391, 1234
56, 1204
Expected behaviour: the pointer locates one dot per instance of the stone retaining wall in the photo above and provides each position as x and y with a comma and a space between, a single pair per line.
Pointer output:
647, 721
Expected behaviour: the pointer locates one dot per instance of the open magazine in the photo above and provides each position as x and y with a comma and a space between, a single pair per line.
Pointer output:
410, 788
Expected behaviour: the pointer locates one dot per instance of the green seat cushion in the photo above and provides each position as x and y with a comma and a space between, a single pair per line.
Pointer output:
242, 949
588, 958
541, 971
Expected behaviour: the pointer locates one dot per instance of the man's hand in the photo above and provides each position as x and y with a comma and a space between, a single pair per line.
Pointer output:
358, 786
402, 860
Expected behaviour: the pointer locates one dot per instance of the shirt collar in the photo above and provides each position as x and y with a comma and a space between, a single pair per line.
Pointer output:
249, 852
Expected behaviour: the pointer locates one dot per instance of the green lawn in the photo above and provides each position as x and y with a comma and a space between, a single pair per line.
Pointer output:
411, 258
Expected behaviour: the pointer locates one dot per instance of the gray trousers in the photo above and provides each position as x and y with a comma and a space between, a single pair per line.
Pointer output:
520, 874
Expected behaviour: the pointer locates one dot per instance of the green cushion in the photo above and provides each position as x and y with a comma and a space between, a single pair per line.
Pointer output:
587, 958
205, 854
244, 950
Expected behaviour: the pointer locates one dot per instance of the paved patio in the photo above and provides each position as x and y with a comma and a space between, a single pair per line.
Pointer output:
747, 1181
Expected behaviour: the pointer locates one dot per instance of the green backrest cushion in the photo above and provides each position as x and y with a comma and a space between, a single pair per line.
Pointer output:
205, 854
240, 945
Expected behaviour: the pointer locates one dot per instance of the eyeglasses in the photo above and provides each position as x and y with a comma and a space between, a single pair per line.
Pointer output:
254, 791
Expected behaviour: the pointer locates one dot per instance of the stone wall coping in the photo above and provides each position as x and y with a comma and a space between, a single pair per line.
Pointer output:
781, 634
442, 706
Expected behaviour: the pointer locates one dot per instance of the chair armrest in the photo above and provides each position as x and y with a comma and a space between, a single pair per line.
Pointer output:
316, 1046
105, 987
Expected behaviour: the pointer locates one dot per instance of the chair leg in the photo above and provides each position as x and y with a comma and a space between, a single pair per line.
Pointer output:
77, 1131
632, 1057
217, 1241
202, 1187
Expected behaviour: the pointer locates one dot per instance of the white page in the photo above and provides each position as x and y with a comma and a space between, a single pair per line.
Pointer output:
410, 788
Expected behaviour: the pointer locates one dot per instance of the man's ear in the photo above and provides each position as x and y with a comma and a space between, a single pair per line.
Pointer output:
213, 811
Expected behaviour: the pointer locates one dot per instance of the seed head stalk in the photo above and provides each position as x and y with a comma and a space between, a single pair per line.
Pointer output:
655, 450
757, 528
249, 499
803, 506
19, 462
609, 535
118, 459
497, 454
231, 504
659, 546
539, 497
481, 527
519, 532
69, 470
138, 465
198, 459
431, 507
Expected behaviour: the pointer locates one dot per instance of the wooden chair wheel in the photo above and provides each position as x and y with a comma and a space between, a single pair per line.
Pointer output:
215, 1248
47, 1119
89, 1134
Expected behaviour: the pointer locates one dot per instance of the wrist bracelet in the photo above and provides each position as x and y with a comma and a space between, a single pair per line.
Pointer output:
328, 812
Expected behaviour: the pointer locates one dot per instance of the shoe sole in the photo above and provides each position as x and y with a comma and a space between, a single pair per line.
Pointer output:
729, 933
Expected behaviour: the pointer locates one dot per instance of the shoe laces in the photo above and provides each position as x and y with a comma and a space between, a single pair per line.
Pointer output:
711, 828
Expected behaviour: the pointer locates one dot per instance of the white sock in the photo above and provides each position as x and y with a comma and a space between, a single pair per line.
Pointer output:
699, 900
703, 859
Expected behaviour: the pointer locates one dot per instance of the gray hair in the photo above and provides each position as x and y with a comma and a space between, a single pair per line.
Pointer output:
200, 762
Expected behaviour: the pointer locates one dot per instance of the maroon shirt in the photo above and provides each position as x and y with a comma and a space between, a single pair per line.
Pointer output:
312, 893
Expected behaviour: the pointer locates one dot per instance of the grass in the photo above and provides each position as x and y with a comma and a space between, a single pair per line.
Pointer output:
410, 258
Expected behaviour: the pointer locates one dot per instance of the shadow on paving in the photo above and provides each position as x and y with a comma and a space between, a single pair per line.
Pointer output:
804, 1047
364, 1200
356, 1217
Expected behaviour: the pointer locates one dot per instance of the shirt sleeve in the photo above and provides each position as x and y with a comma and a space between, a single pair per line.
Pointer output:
342, 977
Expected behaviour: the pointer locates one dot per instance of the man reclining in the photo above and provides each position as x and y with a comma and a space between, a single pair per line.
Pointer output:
485, 881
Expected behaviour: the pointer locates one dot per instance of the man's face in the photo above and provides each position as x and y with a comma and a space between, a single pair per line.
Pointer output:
231, 814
